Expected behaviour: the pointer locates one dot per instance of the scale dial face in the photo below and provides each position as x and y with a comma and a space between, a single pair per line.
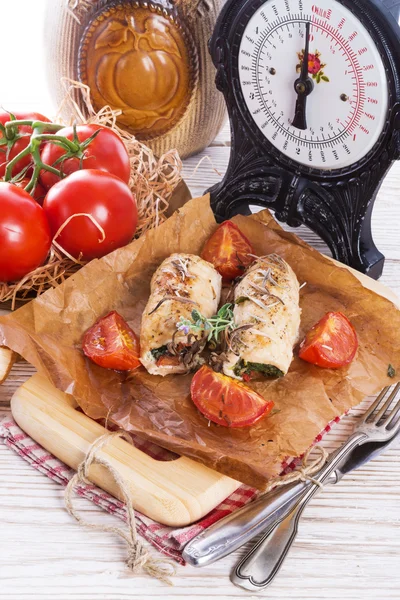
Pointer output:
347, 106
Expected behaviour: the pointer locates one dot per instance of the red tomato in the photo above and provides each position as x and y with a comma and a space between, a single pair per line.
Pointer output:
225, 401
17, 143
228, 250
249, 376
111, 343
167, 361
39, 192
25, 238
106, 152
104, 196
332, 343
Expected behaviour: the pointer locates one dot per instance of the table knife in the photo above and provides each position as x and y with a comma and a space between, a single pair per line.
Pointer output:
241, 526
259, 567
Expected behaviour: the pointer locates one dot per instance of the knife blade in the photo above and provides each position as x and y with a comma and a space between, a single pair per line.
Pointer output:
238, 528
259, 567
360, 456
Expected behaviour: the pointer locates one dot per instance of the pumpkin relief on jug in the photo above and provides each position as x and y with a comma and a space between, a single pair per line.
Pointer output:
137, 58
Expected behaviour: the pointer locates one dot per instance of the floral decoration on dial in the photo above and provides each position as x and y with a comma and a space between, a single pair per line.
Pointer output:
315, 66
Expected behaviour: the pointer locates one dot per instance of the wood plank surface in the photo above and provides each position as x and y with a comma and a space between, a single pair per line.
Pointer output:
348, 546
349, 541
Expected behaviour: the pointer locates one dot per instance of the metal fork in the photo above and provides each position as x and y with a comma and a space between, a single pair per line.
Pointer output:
259, 567
241, 526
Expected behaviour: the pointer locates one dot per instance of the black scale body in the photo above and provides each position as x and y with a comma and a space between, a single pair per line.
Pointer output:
336, 204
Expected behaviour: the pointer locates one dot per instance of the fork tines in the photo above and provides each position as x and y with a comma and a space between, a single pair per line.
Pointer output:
380, 418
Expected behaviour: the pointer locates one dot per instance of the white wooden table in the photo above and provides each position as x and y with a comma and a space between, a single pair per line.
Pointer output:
348, 546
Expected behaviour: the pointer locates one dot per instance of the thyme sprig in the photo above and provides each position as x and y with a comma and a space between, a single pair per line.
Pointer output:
214, 326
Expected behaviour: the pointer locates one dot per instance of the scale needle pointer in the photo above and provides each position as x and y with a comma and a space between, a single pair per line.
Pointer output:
303, 86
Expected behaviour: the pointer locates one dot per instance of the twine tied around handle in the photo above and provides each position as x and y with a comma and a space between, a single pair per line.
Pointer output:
139, 558
304, 473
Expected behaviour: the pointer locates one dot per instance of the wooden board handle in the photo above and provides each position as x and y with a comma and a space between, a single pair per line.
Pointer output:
7, 359
174, 493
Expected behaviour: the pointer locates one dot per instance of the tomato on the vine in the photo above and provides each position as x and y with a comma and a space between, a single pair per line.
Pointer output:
111, 343
227, 402
25, 238
106, 152
110, 204
38, 193
17, 140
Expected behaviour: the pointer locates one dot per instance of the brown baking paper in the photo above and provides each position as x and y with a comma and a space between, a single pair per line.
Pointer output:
48, 331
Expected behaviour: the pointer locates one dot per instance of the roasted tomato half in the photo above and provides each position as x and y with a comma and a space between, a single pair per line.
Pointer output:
225, 401
111, 343
229, 251
332, 343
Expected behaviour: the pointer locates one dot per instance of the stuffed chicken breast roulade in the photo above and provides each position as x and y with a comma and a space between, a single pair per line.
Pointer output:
182, 283
266, 321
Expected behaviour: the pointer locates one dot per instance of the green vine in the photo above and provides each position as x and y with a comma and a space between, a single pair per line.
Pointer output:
42, 132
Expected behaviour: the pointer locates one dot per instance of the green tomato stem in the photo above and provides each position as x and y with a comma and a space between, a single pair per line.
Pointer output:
11, 133
33, 181
72, 148
39, 166
14, 161
59, 140
34, 150
19, 123
11, 128
42, 125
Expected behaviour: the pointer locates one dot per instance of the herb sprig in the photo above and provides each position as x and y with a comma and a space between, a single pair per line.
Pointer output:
213, 326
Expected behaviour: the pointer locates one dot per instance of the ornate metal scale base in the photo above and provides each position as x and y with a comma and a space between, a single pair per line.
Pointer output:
313, 95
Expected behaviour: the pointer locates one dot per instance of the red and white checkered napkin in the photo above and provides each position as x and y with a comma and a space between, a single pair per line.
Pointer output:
167, 540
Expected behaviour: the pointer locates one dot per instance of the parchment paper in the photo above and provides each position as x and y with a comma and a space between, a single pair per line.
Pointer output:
48, 331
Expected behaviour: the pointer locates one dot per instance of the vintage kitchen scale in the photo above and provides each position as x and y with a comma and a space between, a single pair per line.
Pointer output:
311, 139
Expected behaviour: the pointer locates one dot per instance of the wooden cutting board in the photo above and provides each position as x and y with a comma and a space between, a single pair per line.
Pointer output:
175, 493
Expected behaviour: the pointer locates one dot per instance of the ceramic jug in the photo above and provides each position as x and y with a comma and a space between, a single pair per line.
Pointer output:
148, 59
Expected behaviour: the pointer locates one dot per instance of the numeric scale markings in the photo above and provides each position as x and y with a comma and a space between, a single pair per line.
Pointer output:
272, 37
349, 54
